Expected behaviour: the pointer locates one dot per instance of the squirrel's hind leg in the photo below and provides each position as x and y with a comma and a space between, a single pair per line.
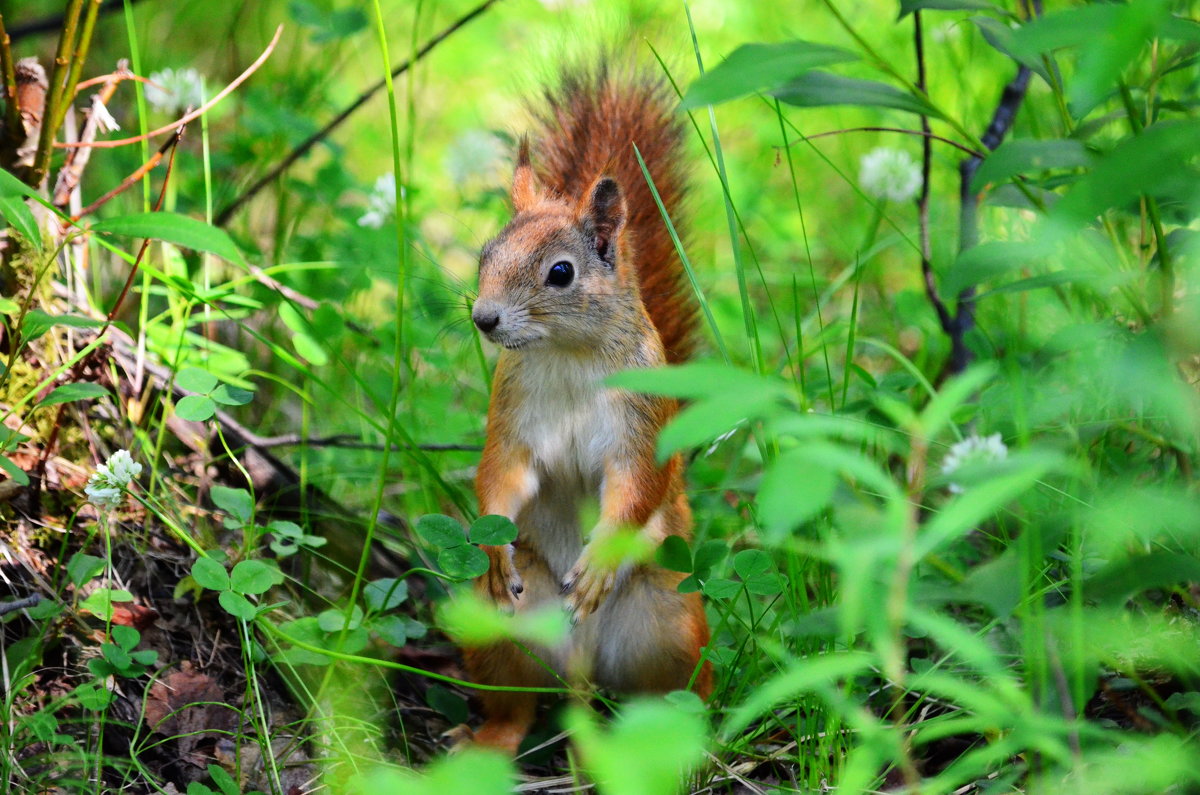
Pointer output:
509, 715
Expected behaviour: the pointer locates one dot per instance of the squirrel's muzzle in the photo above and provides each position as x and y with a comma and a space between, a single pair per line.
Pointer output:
486, 316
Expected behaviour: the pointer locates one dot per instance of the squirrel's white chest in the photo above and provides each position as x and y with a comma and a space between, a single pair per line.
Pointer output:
568, 420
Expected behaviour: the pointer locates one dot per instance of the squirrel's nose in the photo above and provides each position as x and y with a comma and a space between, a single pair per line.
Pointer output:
485, 319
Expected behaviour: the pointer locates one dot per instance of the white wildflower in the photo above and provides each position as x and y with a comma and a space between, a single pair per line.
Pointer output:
107, 484
381, 202
973, 450
176, 90
476, 154
105, 122
887, 173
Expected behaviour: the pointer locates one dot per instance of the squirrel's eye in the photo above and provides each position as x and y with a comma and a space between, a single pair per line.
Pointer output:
561, 274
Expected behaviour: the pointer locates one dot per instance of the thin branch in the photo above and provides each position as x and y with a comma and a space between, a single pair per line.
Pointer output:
922, 132
302, 149
351, 442
20, 604
71, 173
66, 42
12, 110
923, 200
195, 114
130, 180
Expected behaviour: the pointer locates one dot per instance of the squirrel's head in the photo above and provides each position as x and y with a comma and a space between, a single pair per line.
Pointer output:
556, 275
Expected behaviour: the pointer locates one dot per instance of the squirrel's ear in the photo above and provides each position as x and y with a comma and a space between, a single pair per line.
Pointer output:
524, 187
604, 211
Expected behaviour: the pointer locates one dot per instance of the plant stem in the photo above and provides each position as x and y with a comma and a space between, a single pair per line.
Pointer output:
66, 41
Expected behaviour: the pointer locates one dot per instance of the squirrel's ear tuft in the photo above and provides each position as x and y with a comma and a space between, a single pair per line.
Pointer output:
604, 211
524, 187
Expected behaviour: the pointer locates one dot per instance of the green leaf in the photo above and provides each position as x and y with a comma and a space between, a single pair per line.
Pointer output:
722, 589
393, 629
209, 574
231, 395
20, 217
493, 530
309, 349
196, 408
193, 379
173, 228
453, 706
68, 393
675, 555
708, 555
984, 263
100, 601
81, 568
333, 620
1022, 155
1120, 581
92, 695
463, 562
19, 476
236, 502
822, 88
385, 594
909, 6
252, 577
9, 307
793, 490
440, 531
37, 323
237, 605
223, 780
11, 186
757, 67
699, 380
1000, 36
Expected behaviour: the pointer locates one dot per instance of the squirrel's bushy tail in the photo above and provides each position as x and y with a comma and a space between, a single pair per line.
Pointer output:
588, 124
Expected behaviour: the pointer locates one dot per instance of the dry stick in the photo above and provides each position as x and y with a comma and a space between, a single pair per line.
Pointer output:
303, 148
130, 180
195, 114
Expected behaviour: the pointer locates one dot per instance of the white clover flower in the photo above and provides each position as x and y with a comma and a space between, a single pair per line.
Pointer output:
476, 154
973, 450
887, 173
107, 484
381, 202
180, 89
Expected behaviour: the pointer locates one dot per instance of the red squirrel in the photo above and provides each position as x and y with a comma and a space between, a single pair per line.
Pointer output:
584, 282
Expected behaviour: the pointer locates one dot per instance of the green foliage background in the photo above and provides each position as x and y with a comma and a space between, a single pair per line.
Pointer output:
877, 622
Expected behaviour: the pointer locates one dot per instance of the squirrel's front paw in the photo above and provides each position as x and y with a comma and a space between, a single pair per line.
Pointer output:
502, 581
587, 585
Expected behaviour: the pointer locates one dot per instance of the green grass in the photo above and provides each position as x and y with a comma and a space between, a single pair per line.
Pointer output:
1025, 624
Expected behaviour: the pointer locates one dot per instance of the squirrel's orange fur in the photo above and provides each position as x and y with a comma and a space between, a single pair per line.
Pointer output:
584, 282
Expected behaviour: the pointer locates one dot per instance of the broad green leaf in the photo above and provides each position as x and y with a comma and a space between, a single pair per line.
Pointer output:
1000, 36
1119, 581
82, 567
9, 307
236, 502
209, 574
675, 555
126, 637
231, 395
647, 748
440, 531
722, 589
37, 323
392, 629
453, 706
708, 555
493, 530
19, 476
333, 620
173, 228
68, 393
196, 408
11, 186
309, 349
1141, 164
223, 780
20, 217
816, 89
1022, 155
463, 562
237, 605
757, 67
909, 6
252, 577
193, 379
793, 490
385, 594
100, 601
